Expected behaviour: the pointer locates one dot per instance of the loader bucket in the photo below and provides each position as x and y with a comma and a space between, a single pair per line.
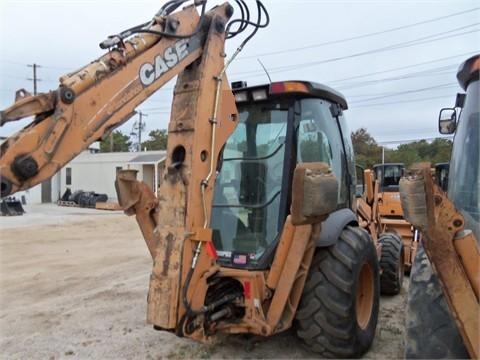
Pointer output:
11, 207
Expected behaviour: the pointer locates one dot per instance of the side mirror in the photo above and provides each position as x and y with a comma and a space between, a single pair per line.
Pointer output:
314, 193
447, 121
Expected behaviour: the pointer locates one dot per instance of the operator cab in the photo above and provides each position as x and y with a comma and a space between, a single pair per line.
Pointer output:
280, 124
463, 177
389, 175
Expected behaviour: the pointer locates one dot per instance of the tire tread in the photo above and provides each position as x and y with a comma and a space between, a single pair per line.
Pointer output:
326, 320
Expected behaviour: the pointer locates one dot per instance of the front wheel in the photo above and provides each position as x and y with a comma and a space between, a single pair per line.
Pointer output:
338, 312
431, 330
392, 264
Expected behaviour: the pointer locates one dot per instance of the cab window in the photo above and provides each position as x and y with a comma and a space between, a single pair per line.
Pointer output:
319, 139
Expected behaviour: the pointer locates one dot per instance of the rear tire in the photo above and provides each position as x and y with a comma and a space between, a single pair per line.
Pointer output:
392, 264
338, 312
431, 331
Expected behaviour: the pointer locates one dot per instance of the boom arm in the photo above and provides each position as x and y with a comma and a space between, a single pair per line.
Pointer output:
176, 224
101, 96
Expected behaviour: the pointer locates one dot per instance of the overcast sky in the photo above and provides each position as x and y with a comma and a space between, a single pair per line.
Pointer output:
395, 61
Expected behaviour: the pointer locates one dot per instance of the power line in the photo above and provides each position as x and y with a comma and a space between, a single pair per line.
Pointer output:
405, 67
12, 62
419, 41
158, 112
157, 108
15, 77
59, 68
360, 36
304, 47
402, 101
367, 83
349, 86
50, 81
288, 68
6, 61
411, 91
391, 47
357, 84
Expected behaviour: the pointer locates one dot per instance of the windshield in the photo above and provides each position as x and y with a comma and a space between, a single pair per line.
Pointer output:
464, 181
389, 176
246, 201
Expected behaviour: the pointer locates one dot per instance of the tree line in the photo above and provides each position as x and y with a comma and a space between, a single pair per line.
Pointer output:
120, 142
367, 151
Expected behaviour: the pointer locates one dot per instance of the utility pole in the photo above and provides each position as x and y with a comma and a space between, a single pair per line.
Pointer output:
138, 127
141, 126
34, 79
46, 186
110, 137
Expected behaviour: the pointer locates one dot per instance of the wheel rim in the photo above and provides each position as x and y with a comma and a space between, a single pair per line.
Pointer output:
365, 296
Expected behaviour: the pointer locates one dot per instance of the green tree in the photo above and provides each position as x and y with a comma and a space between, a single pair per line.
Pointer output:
437, 151
367, 151
115, 142
441, 150
404, 153
157, 140
421, 147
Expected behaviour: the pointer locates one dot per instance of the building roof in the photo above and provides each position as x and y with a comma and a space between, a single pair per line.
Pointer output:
149, 157
123, 157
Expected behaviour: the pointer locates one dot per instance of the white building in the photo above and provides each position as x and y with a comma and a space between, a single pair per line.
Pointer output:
97, 172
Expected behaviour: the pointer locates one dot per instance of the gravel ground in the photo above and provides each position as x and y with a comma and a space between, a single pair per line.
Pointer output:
74, 286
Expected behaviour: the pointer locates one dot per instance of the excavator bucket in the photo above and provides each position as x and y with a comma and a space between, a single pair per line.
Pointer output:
126, 187
136, 198
11, 207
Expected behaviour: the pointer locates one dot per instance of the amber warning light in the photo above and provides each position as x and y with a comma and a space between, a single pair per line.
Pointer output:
288, 86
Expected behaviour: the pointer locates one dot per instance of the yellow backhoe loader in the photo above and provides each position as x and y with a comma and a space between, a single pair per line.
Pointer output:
390, 209
392, 258
254, 228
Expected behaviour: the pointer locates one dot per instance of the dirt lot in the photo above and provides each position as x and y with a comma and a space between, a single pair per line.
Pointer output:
74, 286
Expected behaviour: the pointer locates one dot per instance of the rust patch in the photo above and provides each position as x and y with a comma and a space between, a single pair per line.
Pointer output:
170, 239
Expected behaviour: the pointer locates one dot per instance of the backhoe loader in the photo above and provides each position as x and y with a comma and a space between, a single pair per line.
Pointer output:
371, 218
443, 303
254, 227
390, 209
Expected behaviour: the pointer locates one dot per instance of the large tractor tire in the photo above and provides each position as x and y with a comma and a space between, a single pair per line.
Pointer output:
338, 311
431, 331
392, 264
